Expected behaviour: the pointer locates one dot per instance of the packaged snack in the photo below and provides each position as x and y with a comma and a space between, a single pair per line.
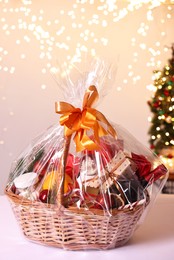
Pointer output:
85, 183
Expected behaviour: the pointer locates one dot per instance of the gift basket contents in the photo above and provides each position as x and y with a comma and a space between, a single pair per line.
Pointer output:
85, 183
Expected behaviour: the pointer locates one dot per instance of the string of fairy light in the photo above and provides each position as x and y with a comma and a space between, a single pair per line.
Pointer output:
30, 23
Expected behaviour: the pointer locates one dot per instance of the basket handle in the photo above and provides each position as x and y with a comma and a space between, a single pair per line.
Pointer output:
61, 173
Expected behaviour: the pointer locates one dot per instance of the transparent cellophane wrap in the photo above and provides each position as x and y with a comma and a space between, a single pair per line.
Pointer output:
84, 196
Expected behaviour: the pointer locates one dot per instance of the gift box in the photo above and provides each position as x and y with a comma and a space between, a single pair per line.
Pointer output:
85, 183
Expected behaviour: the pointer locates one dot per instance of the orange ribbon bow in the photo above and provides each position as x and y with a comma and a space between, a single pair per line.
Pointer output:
80, 121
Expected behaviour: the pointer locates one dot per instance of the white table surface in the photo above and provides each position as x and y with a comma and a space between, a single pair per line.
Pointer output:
154, 240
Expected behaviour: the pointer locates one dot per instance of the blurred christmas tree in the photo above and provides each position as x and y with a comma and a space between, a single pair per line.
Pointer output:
162, 106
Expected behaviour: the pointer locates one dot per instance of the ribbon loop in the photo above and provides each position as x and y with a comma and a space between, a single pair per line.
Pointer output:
78, 122
90, 97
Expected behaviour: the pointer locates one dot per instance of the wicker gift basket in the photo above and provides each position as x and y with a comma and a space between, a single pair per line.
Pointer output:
84, 183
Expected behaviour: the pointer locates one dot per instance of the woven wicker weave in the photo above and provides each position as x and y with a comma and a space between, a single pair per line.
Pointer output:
74, 229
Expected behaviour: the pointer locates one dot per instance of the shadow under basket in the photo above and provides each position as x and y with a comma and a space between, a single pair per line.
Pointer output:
73, 228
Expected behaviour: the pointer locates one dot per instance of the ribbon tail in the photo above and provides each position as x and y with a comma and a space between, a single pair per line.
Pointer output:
67, 131
103, 119
83, 141
98, 131
90, 97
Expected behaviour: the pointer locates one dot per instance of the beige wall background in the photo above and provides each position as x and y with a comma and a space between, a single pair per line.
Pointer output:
36, 36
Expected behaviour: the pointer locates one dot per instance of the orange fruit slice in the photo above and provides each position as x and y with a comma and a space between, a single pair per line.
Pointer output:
50, 181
